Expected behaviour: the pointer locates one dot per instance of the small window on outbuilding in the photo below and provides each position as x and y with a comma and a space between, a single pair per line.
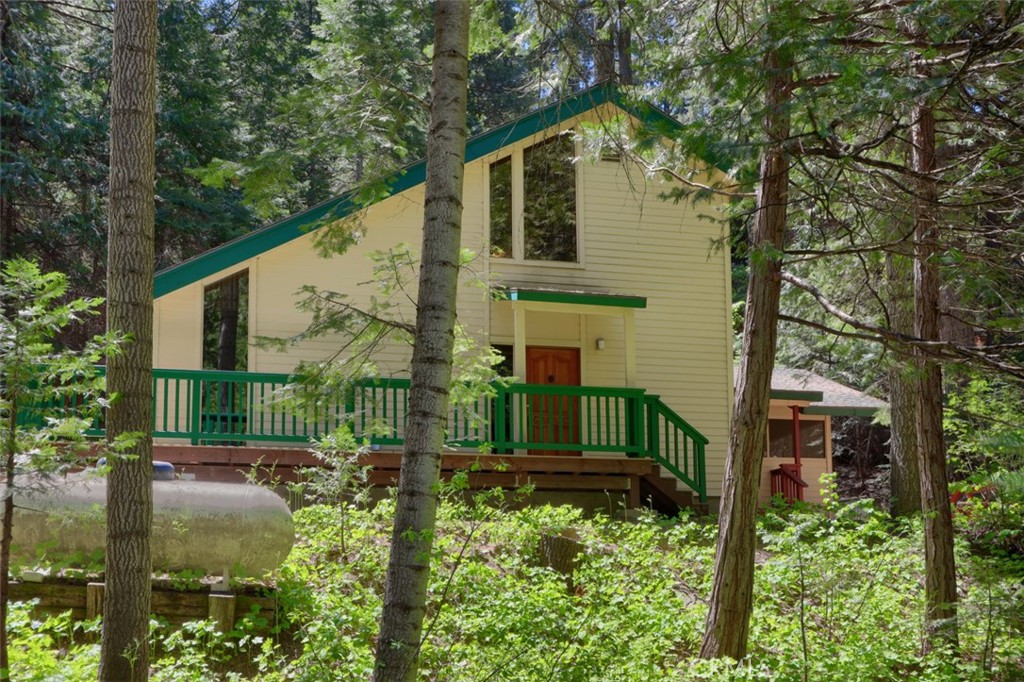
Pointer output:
812, 438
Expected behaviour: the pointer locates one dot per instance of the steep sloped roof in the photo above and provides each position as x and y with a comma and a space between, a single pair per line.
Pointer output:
274, 235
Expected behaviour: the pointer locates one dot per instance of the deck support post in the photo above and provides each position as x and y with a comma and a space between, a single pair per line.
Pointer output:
93, 600
518, 356
519, 341
796, 449
629, 334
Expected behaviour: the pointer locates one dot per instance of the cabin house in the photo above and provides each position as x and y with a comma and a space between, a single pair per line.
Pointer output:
614, 315
800, 431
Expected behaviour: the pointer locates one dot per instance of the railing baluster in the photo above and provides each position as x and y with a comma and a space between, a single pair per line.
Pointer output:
218, 406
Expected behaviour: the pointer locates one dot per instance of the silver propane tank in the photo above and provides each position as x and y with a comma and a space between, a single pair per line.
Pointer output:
197, 525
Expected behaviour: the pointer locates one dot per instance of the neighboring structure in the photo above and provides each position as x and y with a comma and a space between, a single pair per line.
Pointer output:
803, 402
616, 311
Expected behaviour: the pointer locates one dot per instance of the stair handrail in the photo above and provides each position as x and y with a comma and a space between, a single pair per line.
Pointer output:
694, 470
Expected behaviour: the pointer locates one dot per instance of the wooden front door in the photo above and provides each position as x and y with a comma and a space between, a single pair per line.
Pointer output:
553, 419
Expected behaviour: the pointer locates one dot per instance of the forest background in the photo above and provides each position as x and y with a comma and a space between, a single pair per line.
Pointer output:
265, 109
268, 108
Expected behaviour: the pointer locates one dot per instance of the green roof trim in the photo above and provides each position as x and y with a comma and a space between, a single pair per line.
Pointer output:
841, 411
266, 238
808, 396
577, 298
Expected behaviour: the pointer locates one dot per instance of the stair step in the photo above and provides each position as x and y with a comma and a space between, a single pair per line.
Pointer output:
664, 492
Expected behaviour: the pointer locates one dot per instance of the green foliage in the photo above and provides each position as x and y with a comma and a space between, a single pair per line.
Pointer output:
53, 648
990, 513
55, 155
52, 393
983, 421
845, 579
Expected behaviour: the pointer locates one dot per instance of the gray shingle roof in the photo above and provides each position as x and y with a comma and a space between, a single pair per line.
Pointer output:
837, 398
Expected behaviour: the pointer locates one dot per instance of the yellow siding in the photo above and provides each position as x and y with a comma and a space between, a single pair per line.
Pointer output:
177, 344
631, 242
276, 276
178, 329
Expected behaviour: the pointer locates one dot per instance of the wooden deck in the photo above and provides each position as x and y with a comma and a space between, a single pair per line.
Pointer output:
557, 472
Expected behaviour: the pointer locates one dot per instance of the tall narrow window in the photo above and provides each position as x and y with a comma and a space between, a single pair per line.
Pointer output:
501, 208
226, 323
549, 201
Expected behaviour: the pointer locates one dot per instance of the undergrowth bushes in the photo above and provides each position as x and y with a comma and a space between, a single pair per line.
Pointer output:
838, 597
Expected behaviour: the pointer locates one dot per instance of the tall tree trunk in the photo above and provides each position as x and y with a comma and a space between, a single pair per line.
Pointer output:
125, 647
604, 45
9, 131
227, 346
940, 566
728, 620
10, 451
412, 538
624, 46
904, 481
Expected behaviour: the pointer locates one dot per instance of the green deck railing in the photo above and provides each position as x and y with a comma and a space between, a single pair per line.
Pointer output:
218, 407
676, 445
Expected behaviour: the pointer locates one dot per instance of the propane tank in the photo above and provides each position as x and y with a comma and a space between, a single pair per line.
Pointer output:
197, 525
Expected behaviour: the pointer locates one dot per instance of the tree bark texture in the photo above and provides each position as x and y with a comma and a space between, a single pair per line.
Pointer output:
9, 131
227, 340
412, 538
728, 620
624, 47
940, 565
125, 651
904, 481
10, 450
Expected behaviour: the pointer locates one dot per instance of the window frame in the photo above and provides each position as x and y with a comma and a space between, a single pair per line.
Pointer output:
515, 154
787, 424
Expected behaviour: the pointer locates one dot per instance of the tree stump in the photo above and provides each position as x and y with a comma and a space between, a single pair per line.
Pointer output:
559, 552
93, 600
222, 611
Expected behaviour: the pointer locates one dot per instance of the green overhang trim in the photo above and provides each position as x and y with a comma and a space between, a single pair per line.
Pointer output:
840, 411
807, 396
264, 239
577, 298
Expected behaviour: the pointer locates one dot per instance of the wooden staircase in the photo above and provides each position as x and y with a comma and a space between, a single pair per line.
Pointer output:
661, 491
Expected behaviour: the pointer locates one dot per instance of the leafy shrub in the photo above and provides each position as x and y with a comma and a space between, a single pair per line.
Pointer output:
838, 597
990, 513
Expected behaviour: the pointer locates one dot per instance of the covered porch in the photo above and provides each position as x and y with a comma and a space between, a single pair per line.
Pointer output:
799, 447
525, 432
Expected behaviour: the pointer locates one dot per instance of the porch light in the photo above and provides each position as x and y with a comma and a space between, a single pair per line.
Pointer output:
599, 344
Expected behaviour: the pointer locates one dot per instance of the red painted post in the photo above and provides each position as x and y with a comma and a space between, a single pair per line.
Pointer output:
796, 450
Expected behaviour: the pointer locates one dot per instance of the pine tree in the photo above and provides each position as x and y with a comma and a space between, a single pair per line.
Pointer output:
412, 537
124, 651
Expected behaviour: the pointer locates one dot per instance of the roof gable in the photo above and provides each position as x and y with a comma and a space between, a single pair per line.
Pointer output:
266, 238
